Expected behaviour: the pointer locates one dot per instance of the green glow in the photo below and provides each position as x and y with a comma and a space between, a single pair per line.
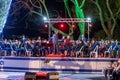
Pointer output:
70, 15
4, 7
78, 13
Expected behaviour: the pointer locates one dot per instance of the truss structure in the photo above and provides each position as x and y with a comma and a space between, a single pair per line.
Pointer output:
69, 20
56, 20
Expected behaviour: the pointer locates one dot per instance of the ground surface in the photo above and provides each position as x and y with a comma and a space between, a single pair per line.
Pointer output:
20, 76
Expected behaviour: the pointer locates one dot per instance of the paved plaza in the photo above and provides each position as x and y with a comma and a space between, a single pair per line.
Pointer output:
20, 76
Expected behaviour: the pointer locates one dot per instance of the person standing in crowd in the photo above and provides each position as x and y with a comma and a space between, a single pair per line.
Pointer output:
116, 72
55, 42
23, 39
109, 69
83, 38
67, 43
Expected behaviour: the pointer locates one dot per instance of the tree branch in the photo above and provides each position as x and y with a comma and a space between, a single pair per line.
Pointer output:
39, 7
112, 17
101, 16
67, 7
82, 4
40, 14
16, 7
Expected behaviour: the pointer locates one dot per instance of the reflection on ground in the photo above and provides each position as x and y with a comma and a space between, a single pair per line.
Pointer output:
20, 76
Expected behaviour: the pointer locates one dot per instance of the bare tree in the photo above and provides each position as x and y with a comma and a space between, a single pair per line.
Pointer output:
33, 7
109, 12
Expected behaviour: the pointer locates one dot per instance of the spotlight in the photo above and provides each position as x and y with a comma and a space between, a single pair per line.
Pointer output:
44, 18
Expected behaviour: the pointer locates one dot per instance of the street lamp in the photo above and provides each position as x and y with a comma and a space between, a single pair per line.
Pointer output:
88, 20
49, 29
44, 18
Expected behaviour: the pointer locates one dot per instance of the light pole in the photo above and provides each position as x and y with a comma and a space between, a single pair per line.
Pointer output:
49, 29
88, 32
88, 20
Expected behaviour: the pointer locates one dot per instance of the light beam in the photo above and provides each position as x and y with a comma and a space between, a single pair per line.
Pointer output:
4, 10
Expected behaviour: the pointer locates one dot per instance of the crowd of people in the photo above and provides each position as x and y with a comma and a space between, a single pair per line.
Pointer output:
112, 71
70, 48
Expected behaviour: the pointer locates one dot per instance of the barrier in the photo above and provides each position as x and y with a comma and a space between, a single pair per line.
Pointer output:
64, 65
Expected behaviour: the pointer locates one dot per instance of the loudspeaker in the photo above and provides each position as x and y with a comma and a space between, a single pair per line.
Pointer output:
53, 76
42, 76
47, 76
30, 76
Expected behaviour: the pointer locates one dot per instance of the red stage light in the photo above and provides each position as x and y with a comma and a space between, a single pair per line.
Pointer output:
61, 25
46, 25
73, 25
90, 25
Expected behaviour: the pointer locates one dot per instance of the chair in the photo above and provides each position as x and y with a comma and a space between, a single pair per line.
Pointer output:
3, 52
108, 50
13, 52
28, 52
79, 52
94, 51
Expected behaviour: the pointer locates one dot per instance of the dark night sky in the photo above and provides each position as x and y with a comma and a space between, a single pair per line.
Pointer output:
15, 25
